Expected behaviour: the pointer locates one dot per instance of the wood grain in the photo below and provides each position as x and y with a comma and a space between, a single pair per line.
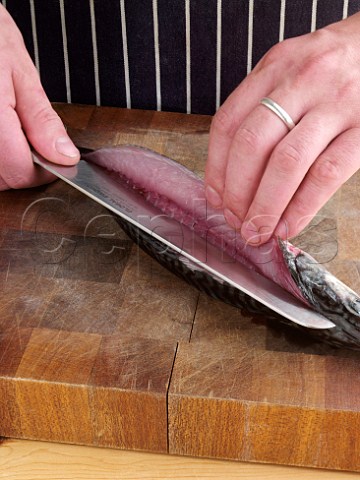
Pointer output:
99, 345
264, 406
85, 388
27, 460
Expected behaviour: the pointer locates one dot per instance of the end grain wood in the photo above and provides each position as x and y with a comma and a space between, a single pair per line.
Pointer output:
85, 388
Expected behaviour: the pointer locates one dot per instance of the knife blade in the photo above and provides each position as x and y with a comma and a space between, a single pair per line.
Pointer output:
118, 197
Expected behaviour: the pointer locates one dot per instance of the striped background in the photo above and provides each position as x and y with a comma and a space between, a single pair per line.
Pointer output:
175, 55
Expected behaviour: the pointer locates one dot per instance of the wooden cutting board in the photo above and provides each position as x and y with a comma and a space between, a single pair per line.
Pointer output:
99, 345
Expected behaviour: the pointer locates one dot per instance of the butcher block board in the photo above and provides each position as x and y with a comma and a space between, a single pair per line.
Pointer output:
99, 345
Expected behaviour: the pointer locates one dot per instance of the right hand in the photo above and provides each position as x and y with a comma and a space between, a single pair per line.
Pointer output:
272, 181
26, 115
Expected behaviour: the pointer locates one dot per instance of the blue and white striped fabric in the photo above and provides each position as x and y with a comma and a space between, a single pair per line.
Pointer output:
174, 55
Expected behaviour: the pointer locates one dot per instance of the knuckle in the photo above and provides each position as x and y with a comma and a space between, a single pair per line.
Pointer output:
273, 54
234, 200
323, 37
326, 170
246, 140
16, 181
319, 61
346, 91
46, 116
278, 52
12, 37
300, 206
324, 63
223, 122
315, 128
260, 212
287, 159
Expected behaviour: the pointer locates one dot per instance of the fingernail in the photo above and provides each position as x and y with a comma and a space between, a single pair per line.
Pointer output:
282, 230
213, 197
256, 235
232, 219
64, 146
250, 233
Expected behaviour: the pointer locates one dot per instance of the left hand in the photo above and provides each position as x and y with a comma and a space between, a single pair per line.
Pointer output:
26, 115
267, 179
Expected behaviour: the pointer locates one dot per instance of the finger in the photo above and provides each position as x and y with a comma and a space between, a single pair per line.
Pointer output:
286, 169
225, 124
333, 168
268, 73
249, 152
3, 185
16, 166
42, 125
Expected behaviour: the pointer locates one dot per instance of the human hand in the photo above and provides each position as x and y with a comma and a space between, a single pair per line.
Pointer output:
267, 179
25, 110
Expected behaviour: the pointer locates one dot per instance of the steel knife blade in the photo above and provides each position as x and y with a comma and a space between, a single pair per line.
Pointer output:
118, 197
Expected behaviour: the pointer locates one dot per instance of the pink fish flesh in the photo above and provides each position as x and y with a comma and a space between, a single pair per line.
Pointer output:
179, 193
156, 176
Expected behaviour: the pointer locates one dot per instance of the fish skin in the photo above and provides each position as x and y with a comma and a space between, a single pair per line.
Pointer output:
315, 285
327, 295
220, 290
196, 275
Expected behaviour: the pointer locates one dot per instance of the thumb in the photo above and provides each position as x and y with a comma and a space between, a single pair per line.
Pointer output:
42, 125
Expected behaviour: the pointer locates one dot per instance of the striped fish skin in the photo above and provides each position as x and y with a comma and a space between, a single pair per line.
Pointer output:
327, 295
290, 267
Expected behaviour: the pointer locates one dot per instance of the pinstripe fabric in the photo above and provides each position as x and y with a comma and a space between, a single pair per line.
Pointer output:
157, 54
354, 7
95, 51
188, 55
234, 54
34, 34
183, 55
80, 50
65, 50
140, 40
203, 59
314, 15
282, 20
20, 11
172, 32
125, 53
266, 27
218, 51
298, 18
250, 37
328, 12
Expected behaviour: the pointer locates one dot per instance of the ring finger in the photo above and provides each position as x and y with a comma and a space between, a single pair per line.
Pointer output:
250, 150
286, 169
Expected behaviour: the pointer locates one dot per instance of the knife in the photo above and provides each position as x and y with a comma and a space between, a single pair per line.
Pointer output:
118, 197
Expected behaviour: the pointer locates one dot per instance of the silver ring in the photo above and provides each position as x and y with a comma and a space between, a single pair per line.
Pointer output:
279, 111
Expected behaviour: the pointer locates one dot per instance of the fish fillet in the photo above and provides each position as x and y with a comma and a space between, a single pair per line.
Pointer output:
180, 194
